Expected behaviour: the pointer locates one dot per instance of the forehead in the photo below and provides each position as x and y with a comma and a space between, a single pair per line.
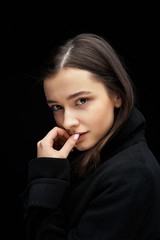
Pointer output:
71, 83
72, 78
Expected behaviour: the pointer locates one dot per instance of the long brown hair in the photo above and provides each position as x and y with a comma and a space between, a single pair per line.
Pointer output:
93, 53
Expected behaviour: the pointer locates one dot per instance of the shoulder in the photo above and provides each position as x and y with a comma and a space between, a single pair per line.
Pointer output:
132, 169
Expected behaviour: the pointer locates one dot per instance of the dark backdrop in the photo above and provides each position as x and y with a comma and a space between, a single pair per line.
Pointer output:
30, 34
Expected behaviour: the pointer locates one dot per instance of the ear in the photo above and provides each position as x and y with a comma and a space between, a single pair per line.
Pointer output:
117, 101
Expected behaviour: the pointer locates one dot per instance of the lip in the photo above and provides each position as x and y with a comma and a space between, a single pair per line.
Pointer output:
81, 135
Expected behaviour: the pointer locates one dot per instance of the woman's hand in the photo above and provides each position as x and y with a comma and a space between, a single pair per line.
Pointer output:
57, 144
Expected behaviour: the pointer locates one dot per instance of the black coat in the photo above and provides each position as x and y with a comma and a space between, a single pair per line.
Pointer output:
118, 200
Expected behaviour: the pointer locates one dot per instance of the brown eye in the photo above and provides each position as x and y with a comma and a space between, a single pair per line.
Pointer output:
56, 108
81, 101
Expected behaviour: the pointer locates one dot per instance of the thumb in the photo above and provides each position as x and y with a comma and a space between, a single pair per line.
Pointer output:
69, 144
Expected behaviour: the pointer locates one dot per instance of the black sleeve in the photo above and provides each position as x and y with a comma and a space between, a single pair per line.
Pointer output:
120, 205
48, 180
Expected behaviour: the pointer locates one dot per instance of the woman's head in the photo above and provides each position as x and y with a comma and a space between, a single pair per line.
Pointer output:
89, 61
81, 104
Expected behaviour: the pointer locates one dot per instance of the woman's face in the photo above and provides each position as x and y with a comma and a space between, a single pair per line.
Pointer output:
81, 104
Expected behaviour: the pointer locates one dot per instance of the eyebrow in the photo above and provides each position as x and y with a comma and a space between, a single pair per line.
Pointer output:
74, 95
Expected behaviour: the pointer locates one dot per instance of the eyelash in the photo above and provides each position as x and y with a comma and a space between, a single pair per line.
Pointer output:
56, 108
83, 99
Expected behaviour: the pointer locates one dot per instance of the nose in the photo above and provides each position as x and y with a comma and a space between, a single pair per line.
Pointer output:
70, 120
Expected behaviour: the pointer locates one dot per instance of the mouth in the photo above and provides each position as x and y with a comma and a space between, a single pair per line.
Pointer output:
82, 135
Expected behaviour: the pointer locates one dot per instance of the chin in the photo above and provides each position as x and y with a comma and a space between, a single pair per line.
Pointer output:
81, 147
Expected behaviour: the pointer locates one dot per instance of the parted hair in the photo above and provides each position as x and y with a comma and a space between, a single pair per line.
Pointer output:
95, 54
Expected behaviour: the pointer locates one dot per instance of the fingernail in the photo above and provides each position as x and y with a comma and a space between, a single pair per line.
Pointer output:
76, 136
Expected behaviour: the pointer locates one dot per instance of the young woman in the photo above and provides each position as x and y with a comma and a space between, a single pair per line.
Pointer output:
94, 177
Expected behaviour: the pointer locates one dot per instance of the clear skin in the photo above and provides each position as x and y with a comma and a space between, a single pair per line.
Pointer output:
83, 110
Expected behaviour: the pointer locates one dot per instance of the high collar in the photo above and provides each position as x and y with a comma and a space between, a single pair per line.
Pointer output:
133, 130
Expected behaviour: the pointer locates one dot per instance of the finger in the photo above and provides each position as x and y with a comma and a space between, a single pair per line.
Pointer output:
55, 133
70, 144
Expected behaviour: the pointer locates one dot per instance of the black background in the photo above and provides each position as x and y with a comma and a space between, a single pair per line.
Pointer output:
30, 33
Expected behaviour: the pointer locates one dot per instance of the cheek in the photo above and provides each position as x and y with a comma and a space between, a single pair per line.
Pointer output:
104, 119
58, 119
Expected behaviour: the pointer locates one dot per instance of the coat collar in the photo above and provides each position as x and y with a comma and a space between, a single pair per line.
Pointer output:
133, 130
